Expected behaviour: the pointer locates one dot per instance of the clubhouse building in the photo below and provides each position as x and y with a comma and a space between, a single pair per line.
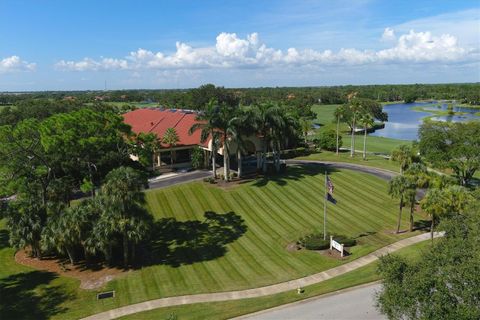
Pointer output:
157, 121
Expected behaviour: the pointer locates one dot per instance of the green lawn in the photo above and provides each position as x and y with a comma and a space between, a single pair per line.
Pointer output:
374, 144
230, 309
275, 213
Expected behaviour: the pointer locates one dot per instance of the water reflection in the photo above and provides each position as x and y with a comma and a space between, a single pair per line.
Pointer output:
403, 122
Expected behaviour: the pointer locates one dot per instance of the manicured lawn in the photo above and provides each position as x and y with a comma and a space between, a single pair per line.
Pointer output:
374, 144
324, 114
344, 156
229, 309
275, 212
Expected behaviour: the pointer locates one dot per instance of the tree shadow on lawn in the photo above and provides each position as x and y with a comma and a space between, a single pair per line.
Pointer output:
28, 296
295, 172
177, 243
4, 239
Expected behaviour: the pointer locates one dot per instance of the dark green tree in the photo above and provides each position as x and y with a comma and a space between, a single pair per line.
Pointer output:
452, 145
444, 283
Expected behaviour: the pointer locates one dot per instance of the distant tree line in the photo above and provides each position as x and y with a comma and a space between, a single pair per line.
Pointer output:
197, 98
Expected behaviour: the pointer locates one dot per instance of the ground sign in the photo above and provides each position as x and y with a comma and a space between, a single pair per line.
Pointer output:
104, 295
335, 245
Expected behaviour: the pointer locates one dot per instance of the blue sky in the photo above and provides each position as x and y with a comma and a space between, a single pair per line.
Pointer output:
63, 45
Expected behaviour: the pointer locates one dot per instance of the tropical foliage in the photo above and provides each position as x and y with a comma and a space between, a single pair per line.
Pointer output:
452, 145
444, 284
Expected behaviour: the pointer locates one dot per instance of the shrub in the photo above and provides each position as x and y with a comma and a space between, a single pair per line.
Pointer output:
315, 242
347, 242
197, 158
209, 180
300, 151
328, 140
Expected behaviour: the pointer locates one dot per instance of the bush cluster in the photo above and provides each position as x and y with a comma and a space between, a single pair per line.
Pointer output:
347, 242
315, 241
209, 180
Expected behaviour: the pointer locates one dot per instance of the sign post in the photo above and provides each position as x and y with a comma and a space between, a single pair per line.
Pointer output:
337, 246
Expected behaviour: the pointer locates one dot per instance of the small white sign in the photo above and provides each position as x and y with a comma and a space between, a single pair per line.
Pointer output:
335, 245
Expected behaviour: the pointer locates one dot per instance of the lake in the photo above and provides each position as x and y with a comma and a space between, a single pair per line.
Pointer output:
403, 122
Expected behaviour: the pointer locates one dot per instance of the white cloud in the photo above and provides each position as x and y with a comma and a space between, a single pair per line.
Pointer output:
15, 63
388, 35
90, 64
231, 51
463, 24
423, 47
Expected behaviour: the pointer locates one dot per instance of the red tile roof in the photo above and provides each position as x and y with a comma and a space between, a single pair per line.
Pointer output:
158, 121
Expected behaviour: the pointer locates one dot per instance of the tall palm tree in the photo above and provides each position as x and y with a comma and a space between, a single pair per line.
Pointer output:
266, 117
340, 113
398, 188
404, 155
433, 205
418, 177
355, 109
170, 138
367, 120
286, 129
226, 123
305, 127
243, 128
206, 122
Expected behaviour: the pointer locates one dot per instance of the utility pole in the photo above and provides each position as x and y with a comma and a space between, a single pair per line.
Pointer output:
325, 210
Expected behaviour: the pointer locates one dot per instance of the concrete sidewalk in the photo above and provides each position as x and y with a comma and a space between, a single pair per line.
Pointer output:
262, 291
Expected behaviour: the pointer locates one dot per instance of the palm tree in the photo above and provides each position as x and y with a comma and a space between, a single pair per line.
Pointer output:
124, 202
243, 128
418, 177
355, 109
170, 138
404, 155
451, 200
226, 123
340, 113
205, 121
398, 188
266, 117
306, 127
433, 205
285, 129
26, 220
367, 120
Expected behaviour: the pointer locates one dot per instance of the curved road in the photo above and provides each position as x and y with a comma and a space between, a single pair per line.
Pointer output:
352, 303
271, 289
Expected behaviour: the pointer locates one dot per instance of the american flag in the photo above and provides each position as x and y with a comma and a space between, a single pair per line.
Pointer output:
329, 185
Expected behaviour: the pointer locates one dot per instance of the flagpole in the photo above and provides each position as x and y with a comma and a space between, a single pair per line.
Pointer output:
325, 210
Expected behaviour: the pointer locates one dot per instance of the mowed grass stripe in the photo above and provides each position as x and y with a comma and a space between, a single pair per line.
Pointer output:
203, 274
225, 207
228, 268
284, 262
258, 246
289, 207
225, 273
